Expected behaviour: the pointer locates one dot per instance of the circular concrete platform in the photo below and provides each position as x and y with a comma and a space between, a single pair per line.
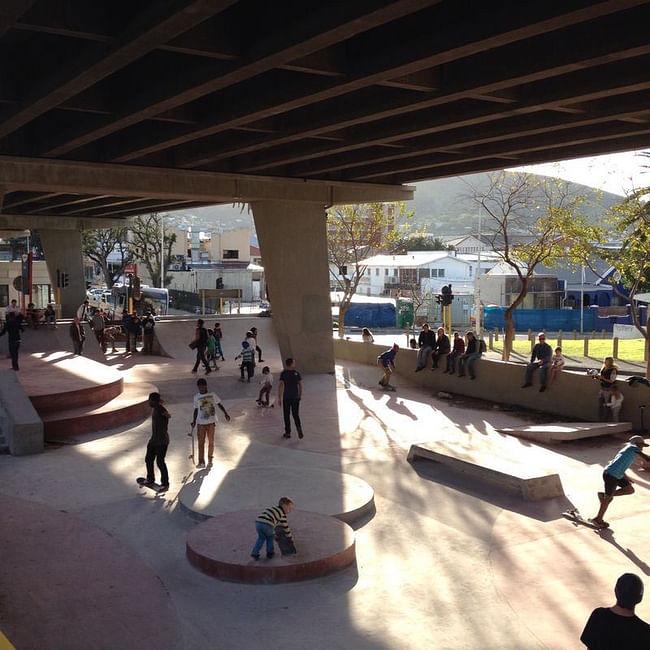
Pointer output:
222, 545
321, 491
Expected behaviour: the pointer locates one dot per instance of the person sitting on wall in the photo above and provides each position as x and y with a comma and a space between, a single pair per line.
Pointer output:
366, 336
426, 343
442, 347
457, 351
50, 315
540, 358
472, 355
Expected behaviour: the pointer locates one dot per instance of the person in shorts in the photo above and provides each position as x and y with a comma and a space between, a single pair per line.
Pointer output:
386, 361
205, 414
617, 484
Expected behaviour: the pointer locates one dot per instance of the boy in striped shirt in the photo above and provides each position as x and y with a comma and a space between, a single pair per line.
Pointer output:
247, 356
266, 523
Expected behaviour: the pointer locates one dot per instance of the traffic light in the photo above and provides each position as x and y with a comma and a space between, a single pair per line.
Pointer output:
447, 295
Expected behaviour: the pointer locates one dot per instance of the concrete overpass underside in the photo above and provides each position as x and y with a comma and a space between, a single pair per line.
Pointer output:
113, 108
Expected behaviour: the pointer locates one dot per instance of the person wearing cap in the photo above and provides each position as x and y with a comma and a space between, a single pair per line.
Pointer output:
616, 483
615, 627
541, 358
158, 443
386, 361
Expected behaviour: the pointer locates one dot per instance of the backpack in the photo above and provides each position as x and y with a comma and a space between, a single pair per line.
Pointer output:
148, 325
481, 346
203, 336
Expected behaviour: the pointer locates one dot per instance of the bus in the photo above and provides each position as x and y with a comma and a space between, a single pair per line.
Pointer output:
151, 298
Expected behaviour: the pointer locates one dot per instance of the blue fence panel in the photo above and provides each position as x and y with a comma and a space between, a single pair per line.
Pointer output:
371, 315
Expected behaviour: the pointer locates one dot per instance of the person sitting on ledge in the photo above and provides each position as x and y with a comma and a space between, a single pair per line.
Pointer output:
426, 343
472, 354
607, 378
540, 358
266, 524
366, 336
619, 626
442, 347
457, 351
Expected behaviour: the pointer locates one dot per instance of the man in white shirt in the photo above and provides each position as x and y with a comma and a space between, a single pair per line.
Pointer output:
83, 313
205, 414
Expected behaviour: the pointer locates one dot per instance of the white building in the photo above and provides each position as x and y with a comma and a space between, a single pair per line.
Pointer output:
466, 243
428, 270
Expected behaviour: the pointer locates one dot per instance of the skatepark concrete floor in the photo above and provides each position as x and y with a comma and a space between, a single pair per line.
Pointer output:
444, 562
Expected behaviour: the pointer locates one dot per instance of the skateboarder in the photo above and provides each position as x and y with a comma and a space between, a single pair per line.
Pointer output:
266, 523
386, 361
158, 443
619, 626
616, 483
205, 413
258, 349
289, 395
267, 385
247, 356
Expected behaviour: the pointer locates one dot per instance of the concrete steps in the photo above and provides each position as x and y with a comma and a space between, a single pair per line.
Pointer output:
128, 407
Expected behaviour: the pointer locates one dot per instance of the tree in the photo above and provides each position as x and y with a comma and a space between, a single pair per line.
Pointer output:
355, 233
420, 242
99, 244
630, 221
531, 220
146, 244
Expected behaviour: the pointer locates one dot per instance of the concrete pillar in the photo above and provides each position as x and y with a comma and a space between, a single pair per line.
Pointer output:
62, 250
293, 244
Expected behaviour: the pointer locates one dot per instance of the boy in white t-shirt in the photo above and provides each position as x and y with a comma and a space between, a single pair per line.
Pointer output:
615, 402
267, 385
205, 414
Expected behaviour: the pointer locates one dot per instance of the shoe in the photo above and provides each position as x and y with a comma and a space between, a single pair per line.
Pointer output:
287, 435
418, 369
258, 401
526, 385
542, 389
255, 556
163, 488
193, 369
597, 522
461, 375
208, 371
300, 435
261, 361
210, 463
201, 465
472, 377
269, 555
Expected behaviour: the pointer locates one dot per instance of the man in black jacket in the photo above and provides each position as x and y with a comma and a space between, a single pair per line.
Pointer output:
540, 358
442, 347
426, 343
12, 328
158, 443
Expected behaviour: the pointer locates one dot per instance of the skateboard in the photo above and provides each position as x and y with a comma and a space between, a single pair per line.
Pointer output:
156, 487
387, 387
264, 405
575, 517
286, 545
191, 435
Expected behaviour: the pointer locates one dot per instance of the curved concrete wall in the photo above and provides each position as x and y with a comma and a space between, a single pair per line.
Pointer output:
573, 396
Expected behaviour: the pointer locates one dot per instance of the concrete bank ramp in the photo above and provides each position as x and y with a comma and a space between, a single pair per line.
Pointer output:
562, 431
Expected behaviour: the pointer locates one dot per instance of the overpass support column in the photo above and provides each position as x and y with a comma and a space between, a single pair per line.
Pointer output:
293, 244
62, 250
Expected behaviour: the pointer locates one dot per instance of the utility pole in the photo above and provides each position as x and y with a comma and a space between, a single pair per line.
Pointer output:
477, 289
162, 251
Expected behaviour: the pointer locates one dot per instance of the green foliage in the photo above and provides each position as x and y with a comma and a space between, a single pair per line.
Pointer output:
420, 242
356, 232
98, 244
146, 244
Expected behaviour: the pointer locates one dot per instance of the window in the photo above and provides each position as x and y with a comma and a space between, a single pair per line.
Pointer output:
385, 271
434, 273
471, 270
376, 272
4, 295
441, 273
230, 254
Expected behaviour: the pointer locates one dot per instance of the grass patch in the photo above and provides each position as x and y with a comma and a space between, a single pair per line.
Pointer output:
628, 349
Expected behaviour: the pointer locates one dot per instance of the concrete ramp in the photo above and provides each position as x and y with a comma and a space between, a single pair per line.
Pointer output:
562, 431
45, 340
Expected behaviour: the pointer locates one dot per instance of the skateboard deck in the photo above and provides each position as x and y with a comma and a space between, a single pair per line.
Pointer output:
575, 517
286, 545
388, 388
191, 435
156, 487
265, 406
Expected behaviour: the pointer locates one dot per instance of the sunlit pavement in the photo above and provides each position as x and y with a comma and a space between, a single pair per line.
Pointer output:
445, 562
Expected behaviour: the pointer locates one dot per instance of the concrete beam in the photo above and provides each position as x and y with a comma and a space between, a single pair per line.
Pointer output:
38, 174
53, 222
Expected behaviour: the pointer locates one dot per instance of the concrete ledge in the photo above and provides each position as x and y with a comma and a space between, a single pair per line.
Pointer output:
19, 421
221, 548
534, 485
573, 396
562, 431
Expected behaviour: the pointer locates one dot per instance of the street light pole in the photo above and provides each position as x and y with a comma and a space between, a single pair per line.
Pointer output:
477, 291
582, 299
162, 251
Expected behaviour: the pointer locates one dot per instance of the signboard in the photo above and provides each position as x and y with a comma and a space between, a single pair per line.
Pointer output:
131, 268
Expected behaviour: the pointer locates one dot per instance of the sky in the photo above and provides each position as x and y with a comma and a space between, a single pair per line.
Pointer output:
618, 173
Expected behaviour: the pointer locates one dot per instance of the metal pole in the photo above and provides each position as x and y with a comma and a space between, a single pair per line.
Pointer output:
582, 299
162, 251
477, 290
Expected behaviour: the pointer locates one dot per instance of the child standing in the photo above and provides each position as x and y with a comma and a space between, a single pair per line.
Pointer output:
266, 523
615, 402
247, 356
218, 335
267, 385
212, 347
557, 363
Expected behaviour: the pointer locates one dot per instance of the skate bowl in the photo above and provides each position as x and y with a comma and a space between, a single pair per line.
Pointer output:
221, 547
320, 491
